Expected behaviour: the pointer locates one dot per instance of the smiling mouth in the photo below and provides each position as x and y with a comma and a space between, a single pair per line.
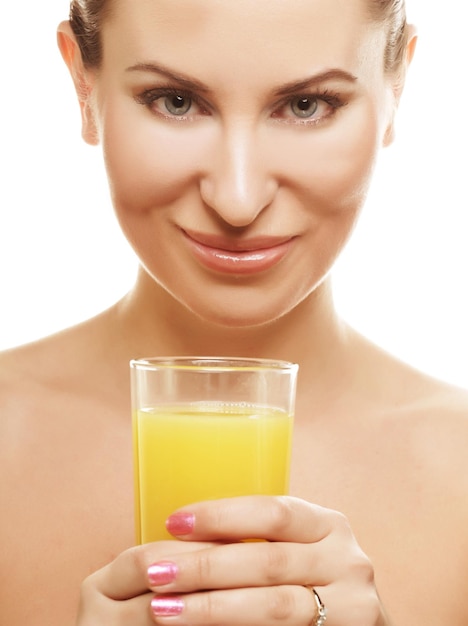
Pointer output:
229, 256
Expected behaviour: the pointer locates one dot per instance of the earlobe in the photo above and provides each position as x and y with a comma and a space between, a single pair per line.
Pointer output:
83, 80
389, 135
89, 129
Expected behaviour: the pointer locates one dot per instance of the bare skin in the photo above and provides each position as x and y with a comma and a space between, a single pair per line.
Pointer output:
386, 447
374, 440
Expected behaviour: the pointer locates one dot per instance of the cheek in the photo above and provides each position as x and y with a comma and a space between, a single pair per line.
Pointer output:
333, 176
333, 166
148, 164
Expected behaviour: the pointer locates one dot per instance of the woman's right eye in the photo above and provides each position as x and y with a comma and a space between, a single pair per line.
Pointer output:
177, 104
171, 103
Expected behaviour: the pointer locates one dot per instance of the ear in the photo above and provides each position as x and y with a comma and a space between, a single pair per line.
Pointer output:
83, 80
399, 83
411, 45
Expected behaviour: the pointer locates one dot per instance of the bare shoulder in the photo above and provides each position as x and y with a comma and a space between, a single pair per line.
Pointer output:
406, 486
427, 420
63, 425
438, 419
432, 406
427, 483
401, 389
29, 370
421, 421
43, 362
57, 396
65, 379
76, 361
32, 381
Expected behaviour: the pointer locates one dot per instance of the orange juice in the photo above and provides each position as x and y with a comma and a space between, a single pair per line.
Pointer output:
202, 452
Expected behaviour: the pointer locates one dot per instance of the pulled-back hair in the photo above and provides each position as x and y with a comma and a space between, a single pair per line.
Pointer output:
87, 17
393, 14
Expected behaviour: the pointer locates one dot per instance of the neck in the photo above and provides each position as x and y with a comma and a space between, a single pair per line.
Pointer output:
153, 324
148, 323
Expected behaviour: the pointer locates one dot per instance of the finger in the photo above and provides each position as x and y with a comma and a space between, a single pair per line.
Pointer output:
253, 565
290, 605
96, 609
274, 518
127, 576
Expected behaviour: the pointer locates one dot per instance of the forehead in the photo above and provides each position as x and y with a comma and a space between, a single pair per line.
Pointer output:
216, 37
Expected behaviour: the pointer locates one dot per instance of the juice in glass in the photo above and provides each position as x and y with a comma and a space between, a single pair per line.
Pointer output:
207, 428
201, 451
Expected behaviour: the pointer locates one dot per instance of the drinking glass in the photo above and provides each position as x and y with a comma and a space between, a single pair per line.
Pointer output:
206, 428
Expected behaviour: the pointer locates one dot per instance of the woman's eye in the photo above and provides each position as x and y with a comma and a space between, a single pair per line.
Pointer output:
304, 107
177, 104
170, 103
312, 109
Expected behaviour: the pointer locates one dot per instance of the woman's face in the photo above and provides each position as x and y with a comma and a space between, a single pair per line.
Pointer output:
239, 139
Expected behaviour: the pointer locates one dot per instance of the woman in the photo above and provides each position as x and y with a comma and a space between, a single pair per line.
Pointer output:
239, 140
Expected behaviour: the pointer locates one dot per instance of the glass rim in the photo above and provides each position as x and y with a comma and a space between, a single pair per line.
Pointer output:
212, 364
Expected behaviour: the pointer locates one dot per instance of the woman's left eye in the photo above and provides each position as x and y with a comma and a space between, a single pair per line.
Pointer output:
304, 107
311, 109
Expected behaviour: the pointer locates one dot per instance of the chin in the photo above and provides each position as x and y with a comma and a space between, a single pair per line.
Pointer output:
236, 317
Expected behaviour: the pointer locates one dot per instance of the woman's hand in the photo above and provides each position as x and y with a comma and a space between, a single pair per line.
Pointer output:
119, 593
214, 576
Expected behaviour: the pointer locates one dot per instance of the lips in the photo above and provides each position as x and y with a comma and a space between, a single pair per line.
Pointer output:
233, 256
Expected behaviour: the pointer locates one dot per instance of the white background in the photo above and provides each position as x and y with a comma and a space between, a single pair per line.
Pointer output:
401, 281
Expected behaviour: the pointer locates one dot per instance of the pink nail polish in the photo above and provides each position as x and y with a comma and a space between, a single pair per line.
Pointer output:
162, 573
167, 606
180, 523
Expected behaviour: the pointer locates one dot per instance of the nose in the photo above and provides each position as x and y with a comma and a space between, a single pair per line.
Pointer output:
237, 184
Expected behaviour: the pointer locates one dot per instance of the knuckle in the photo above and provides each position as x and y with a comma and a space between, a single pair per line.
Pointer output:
354, 566
203, 568
139, 558
281, 514
341, 522
336, 525
281, 603
361, 567
93, 605
276, 563
375, 611
365, 610
208, 607
87, 588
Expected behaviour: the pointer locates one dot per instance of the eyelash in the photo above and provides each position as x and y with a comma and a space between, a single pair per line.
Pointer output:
150, 96
334, 100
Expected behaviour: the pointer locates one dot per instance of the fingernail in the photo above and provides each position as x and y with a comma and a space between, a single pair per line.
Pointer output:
162, 573
167, 607
180, 523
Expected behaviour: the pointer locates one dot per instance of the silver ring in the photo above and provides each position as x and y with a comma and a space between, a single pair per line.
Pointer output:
321, 615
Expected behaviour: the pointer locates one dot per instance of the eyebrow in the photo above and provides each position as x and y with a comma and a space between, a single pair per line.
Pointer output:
154, 68
289, 88
328, 75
